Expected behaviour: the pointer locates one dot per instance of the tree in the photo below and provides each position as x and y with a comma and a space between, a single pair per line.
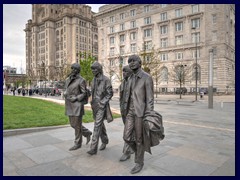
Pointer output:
180, 74
85, 61
151, 64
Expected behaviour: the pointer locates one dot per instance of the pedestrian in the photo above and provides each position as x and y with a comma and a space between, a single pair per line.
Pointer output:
23, 91
124, 93
75, 97
101, 94
141, 101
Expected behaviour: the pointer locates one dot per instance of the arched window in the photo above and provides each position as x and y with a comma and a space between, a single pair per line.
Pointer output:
164, 74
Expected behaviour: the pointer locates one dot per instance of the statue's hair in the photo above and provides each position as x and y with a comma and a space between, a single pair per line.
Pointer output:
127, 68
97, 65
76, 66
135, 57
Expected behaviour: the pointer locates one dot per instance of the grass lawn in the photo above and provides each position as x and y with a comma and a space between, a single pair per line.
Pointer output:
24, 112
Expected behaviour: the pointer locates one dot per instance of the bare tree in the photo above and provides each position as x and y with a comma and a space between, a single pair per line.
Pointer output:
151, 64
180, 74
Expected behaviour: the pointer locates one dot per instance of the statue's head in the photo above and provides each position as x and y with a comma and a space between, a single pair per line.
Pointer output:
76, 68
96, 68
134, 62
127, 71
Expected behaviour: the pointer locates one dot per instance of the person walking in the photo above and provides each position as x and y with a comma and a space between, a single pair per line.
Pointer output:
101, 94
75, 97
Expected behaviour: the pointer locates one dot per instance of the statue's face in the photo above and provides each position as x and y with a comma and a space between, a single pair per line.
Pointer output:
127, 73
134, 64
75, 71
95, 71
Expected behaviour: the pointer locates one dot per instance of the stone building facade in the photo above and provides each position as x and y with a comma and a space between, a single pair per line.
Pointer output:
54, 37
181, 34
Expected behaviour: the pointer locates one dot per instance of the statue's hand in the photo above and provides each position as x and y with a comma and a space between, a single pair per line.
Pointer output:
72, 99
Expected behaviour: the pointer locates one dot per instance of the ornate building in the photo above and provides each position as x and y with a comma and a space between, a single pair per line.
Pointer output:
54, 37
181, 34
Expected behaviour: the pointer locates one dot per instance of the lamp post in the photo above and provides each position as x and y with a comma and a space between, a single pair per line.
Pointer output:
196, 75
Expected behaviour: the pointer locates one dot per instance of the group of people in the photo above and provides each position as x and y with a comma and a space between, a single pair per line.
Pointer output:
136, 104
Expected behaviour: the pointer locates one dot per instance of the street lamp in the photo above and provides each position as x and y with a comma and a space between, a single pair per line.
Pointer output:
196, 75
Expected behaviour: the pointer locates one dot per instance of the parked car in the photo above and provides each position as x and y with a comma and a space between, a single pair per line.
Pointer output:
183, 90
204, 90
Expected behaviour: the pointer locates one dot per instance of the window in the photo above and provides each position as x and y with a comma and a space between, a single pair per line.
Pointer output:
214, 18
147, 20
112, 51
164, 56
163, 16
112, 40
121, 50
163, 29
133, 12
148, 45
179, 40
112, 29
122, 38
196, 53
196, 37
112, 19
146, 8
133, 48
133, 36
195, 8
214, 52
122, 16
147, 33
196, 23
164, 74
132, 24
179, 55
122, 27
112, 62
179, 26
178, 12
214, 36
164, 42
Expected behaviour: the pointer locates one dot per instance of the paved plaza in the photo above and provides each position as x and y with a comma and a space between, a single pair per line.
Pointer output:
198, 142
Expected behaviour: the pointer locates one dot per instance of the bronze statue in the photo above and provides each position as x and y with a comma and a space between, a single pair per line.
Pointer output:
124, 93
101, 94
75, 97
140, 102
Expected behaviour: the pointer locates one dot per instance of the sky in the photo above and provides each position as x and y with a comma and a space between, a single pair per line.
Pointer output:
15, 17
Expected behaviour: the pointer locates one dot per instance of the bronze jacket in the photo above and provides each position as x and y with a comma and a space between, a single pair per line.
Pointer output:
102, 92
75, 87
142, 93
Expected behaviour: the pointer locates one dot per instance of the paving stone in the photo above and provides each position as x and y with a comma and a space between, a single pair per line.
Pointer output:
182, 167
199, 154
9, 169
14, 143
46, 153
50, 169
227, 169
42, 139
19, 159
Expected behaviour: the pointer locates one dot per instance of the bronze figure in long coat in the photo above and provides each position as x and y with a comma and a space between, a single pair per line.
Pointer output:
75, 96
141, 101
124, 94
101, 94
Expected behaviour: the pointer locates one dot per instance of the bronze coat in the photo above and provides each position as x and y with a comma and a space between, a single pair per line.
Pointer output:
104, 93
142, 94
77, 88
